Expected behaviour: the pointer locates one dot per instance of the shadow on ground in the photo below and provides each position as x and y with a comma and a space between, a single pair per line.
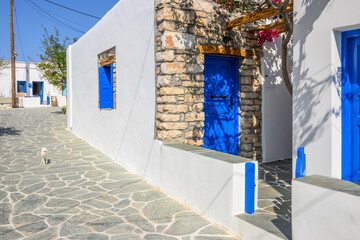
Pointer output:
8, 131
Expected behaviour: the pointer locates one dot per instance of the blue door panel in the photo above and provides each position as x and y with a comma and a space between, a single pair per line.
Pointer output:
106, 90
351, 106
221, 130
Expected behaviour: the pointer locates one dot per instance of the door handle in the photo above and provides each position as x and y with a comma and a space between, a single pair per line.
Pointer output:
221, 97
231, 102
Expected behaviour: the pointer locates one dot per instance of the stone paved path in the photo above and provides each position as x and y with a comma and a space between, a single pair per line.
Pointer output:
81, 194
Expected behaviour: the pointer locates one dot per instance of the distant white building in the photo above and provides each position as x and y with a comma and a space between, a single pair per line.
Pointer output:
29, 82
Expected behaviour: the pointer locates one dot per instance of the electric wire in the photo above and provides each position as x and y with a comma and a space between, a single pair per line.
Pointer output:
18, 30
50, 17
71, 9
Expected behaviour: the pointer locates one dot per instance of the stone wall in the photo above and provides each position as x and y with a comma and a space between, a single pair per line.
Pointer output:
183, 26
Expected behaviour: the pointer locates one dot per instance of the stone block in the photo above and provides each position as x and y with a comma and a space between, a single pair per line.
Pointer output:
193, 84
172, 68
166, 99
196, 142
194, 116
172, 125
198, 107
171, 91
169, 134
175, 15
168, 117
246, 147
166, 56
177, 40
167, 25
194, 68
180, 108
164, 80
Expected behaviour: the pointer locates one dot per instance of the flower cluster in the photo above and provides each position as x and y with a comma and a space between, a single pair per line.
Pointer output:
277, 1
267, 35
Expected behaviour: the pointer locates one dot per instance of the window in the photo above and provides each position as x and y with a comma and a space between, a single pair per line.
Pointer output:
106, 87
107, 79
21, 86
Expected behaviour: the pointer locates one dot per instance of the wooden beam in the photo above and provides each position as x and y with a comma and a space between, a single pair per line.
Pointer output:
230, 51
107, 61
262, 14
281, 30
278, 24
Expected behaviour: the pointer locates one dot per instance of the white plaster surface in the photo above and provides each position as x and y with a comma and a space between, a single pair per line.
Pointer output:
33, 75
317, 91
127, 133
322, 213
29, 102
277, 105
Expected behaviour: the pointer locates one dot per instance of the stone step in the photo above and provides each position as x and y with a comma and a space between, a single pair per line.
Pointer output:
264, 225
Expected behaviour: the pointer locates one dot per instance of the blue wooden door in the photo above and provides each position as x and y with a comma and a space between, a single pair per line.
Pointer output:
351, 106
106, 90
221, 130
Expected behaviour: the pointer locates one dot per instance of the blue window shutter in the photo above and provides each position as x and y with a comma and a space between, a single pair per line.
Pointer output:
106, 91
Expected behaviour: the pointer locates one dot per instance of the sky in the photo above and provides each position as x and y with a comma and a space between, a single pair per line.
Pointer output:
29, 21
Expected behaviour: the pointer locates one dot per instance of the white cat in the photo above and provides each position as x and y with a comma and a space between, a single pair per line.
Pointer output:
44, 152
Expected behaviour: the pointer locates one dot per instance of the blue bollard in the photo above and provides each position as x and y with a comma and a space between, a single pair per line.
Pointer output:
300, 163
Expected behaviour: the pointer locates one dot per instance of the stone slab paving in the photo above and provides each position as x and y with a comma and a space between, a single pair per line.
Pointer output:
81, 193
274, 201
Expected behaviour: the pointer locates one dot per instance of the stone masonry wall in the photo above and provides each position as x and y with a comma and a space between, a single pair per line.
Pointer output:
182, 26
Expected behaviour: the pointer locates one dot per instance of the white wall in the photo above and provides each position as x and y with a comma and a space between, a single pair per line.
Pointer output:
317, 93
21, 75
214, 187
321, 211
277, 105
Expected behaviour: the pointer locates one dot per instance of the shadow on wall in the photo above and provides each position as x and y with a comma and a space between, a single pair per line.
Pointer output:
307, 93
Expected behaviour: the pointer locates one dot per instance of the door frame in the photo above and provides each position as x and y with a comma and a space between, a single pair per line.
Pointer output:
236, 59
42, 90
346, 163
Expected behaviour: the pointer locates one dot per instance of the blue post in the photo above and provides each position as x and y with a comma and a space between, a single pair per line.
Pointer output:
250, 188
300, 163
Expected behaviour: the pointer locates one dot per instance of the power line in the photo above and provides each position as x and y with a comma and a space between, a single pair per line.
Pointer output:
71, 9
52, 18
18, 30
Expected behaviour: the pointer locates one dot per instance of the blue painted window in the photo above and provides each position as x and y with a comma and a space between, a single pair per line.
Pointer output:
106, 87
21, 86
350, 104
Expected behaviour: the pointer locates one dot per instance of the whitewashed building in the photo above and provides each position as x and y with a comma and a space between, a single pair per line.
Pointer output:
29, 84
326, 119
141, 88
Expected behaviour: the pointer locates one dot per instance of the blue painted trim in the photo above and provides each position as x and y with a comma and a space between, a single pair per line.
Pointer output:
211, 139
346, 170
250, 188
300, 163
106, 87
41, 92
23, 83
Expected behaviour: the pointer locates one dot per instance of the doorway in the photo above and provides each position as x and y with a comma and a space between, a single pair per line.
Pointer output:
38, 90
221, 94
350, 91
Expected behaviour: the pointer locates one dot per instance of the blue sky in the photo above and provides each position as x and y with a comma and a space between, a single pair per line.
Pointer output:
30, 23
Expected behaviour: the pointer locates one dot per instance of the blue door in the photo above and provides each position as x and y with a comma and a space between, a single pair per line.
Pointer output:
351, 106
106, 89
221, 130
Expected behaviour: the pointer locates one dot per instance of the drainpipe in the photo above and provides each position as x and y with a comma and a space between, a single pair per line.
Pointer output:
27, 78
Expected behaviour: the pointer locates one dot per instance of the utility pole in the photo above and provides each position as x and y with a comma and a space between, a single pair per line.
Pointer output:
12, 49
